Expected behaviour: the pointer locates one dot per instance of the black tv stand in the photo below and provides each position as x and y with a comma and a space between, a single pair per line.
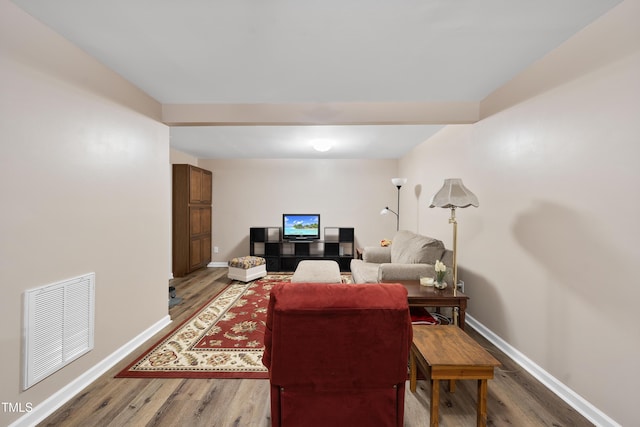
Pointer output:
284, 255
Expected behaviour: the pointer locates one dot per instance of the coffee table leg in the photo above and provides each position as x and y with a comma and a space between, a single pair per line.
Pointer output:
413, 374
482, 403
435, 399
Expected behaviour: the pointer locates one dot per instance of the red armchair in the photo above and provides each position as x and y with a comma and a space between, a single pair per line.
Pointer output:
337, 354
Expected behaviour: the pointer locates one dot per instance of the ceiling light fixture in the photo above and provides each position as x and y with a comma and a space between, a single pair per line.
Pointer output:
322, 145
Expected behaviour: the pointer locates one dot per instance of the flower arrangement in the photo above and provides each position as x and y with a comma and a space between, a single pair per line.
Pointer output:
441, 270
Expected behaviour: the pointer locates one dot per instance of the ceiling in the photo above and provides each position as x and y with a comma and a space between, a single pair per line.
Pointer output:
426, 60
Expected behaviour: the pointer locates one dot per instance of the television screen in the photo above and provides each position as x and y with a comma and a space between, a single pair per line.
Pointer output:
301, 226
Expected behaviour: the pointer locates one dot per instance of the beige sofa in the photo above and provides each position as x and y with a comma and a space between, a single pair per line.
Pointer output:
409, 256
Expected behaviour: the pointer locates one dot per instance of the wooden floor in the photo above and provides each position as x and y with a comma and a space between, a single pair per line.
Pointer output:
515, 398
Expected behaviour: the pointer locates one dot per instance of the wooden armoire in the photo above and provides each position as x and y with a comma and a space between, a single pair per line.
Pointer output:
191, 219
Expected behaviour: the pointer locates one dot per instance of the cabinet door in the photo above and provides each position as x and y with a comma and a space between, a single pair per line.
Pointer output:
195, 220
195, 185
200, 220
200, 252
206, 250
195, 253
205, 219
199, 185
206, 190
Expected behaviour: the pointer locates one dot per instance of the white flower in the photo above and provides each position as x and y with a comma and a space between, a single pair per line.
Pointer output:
440, 269
440, 266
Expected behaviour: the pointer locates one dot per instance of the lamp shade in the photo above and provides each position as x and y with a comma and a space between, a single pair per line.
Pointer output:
386, 210
453, 194
399, 182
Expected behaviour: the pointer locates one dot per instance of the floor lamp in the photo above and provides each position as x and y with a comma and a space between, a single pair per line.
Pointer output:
452, 195
398, 182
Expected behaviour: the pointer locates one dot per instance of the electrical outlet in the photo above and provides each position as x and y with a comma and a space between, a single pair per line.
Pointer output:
216, 250
461, 286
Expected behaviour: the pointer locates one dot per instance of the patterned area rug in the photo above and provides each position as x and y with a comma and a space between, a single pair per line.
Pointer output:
223, 339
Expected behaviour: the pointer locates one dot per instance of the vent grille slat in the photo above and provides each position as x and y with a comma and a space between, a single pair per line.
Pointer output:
58, 326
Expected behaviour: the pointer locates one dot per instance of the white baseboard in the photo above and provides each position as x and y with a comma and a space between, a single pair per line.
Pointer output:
62, 396
572, 398
218, 264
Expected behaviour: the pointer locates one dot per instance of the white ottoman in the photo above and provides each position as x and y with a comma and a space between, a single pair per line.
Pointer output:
317, 271
247, 268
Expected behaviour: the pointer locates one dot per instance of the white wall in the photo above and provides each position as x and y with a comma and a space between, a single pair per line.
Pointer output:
255, 193
178, 157
549, 257
84, 173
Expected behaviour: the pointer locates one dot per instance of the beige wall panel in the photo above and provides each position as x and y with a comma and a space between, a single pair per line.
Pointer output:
255, 193
83, 179
549, 257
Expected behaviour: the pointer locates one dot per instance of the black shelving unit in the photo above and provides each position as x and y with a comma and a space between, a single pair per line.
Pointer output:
284, 255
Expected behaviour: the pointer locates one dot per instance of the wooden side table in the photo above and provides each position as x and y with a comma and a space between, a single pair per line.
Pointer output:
428, 296
448, 353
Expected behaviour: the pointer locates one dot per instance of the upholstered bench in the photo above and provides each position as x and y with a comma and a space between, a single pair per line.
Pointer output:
247, 268
317, 271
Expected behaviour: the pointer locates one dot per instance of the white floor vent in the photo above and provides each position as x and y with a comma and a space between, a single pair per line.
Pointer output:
58, 326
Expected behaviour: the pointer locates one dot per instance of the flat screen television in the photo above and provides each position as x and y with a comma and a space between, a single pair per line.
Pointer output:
300, 226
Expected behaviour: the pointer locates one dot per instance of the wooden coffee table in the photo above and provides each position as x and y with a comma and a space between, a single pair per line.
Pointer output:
428, 296
448, 353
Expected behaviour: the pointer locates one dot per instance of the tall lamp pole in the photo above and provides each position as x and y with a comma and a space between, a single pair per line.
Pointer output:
398, 182
452, 195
